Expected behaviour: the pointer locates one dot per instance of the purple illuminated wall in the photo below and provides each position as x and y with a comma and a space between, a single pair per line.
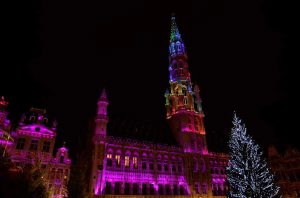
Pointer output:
32, 143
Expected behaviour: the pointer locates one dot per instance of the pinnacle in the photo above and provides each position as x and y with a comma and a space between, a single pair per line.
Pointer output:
175, 35
103, 95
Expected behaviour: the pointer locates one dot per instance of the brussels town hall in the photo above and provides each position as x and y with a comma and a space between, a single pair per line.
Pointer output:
133, 168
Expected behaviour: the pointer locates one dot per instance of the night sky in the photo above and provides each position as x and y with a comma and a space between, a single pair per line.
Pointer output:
59, 55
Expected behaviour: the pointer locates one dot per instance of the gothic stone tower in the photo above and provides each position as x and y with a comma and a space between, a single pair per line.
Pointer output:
99, 141
184, 113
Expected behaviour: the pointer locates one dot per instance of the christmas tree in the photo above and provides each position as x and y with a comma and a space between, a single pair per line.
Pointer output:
247, 172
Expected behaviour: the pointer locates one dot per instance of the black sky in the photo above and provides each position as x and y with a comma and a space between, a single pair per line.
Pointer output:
60, 54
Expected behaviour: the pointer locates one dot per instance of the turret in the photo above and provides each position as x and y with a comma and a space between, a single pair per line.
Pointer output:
101, 117
101, 121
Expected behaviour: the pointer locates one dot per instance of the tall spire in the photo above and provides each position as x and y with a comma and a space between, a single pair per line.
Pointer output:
103, 96
178, 65
175, 34
176, 46
101, 118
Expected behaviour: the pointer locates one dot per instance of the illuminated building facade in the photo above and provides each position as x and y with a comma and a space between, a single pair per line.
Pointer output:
32, 143
136, 168
5, 139
286, 168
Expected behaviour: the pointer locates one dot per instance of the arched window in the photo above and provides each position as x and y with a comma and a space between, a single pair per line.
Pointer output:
144, 189
127, 189
175, 190
135, 162
178, 46
135, 188
127, 162
168, 189
109, 160
118, 160
185, 101
107, 188
117, 188
160, 189
152, 191
172, 47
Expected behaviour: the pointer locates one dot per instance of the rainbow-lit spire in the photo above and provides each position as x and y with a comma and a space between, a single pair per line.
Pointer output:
175, 34
176, 46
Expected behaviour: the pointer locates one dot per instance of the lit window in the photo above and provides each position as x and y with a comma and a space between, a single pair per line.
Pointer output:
135, 165
185, 100
109, 160
127, 163
118, 160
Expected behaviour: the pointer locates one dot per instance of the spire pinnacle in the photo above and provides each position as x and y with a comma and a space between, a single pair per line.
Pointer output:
103, 96
175, 35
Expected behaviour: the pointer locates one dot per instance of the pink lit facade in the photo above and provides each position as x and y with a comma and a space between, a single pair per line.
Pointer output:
5, 139
128, 167
32, 143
